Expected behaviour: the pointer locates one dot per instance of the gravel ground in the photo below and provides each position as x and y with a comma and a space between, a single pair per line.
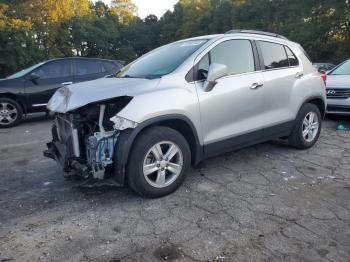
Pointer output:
264, 203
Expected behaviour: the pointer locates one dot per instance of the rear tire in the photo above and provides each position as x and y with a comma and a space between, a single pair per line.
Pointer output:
11, 113
159, 162
307, 127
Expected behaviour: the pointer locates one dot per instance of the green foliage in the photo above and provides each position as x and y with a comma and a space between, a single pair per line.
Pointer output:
35, 30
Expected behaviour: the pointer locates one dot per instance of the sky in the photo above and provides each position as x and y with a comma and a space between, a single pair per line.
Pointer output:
156, 7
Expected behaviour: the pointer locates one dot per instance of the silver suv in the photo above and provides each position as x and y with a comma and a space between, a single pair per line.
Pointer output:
182, 103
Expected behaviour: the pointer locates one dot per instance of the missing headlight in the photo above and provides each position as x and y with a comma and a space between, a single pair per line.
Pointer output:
100, 151
91, 112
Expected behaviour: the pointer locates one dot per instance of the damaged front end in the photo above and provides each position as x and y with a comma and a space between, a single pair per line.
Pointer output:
84, 140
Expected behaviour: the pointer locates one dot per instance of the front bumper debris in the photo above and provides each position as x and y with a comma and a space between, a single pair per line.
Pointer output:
69, 166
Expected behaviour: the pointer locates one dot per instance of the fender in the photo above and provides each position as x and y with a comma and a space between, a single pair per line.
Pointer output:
127, 138
308, 99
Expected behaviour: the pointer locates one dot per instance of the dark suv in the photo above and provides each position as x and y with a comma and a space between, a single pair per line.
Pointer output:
29, 90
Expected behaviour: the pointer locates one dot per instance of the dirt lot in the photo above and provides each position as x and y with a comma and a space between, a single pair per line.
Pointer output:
264, 203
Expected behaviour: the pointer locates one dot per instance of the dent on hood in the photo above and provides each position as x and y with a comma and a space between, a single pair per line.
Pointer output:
79, 95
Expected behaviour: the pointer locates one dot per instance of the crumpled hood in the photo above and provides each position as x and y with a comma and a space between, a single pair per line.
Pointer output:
72, 97
338, 81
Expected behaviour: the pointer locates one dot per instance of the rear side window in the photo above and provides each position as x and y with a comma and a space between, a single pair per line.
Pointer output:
87, 67
237, 55
274, 55
293, 61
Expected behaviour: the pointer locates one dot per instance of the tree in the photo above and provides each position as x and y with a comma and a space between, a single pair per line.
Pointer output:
34, 30
101, 9
125, 10
18, 47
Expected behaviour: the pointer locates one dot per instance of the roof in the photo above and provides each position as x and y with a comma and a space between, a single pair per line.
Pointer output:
255, 32
242, 32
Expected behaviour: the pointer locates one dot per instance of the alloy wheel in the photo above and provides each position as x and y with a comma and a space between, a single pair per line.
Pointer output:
310, 127
8, 113
163, 164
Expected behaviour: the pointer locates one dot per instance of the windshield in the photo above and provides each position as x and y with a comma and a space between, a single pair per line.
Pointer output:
343, 69
24, 71
161, 61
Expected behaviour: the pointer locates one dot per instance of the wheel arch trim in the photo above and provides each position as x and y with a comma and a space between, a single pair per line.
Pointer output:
18, 99
127, 138
314, 98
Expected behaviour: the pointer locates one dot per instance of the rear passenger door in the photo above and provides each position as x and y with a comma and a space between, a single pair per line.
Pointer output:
280, 72
87, 69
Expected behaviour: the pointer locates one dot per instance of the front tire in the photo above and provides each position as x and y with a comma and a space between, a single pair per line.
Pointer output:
11, 113
307, 127
159, 162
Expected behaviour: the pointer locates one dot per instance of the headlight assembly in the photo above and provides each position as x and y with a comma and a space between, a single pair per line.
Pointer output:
59, 101
121, 123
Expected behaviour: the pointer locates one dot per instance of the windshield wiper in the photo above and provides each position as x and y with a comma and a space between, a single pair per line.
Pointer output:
153, 76
130, 76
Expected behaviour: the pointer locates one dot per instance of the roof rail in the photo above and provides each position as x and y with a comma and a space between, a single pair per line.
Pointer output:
244, 31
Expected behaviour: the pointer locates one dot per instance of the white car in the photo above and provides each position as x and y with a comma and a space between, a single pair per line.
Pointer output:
338, 89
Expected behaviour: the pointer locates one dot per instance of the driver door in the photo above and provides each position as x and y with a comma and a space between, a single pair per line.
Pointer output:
51, 76
232, 112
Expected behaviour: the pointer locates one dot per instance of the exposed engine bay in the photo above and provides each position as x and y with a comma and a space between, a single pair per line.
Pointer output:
84, 140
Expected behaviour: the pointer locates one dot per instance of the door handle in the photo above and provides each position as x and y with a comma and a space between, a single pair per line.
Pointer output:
299, 75
67, 83
256, 85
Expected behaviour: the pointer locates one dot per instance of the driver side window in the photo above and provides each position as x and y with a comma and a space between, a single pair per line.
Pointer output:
55, 69
237, 55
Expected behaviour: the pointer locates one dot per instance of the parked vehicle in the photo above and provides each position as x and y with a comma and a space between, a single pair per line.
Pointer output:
29, 90
338, 89
323, 67
185, 102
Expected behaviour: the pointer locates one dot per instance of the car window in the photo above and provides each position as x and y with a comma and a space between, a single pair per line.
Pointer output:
293, 61
108, 66
55, 69
87, 67
237, 55
343, 69
274, 55
203, 67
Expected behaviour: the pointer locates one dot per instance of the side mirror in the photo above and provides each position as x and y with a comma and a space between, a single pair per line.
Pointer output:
33, 77
215, 72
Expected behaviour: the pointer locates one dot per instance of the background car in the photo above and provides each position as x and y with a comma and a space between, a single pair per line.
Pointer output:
323, 66
29, 90
338, 89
